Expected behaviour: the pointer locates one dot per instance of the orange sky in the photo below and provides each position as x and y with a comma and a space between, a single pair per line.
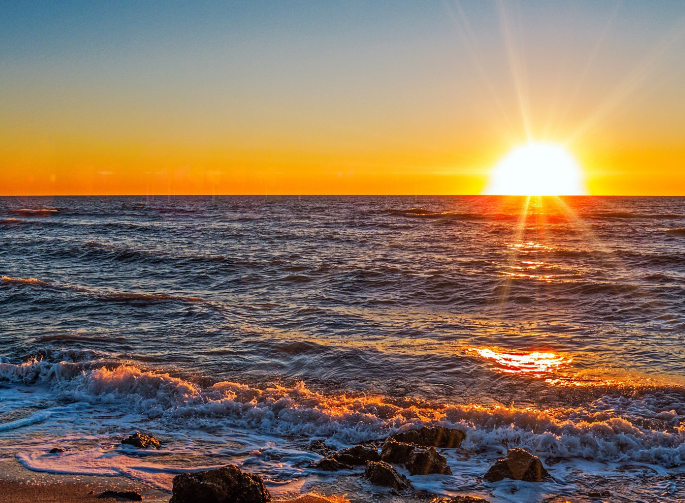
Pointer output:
362, 99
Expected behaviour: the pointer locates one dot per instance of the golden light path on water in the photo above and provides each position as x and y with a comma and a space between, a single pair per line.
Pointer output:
517, 362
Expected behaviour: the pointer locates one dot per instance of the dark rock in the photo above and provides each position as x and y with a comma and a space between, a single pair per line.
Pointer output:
142, 441
417, 460
396, 452
223, 485
518, 464
121, 495
320, 447
381, 473
498, 471
424, 461
432, 436
358, 455
55, 450
331, 464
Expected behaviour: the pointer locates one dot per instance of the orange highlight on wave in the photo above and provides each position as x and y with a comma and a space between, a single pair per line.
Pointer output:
515, 362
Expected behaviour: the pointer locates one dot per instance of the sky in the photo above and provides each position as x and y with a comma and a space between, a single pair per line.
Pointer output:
328, 97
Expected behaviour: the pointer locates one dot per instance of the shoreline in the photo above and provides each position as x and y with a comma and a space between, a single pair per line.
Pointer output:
21, 485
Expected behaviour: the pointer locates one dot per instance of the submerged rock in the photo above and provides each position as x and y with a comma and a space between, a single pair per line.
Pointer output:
518, 464
121, 495
223, 485
381, 473
425, 461
142, 441
432, 436
56, 450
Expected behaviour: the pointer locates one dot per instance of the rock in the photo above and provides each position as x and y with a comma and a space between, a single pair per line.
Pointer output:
223, 485
358, 455
142, 441
518, 464
417, 460
331, 464
346, 458
381, 473
121, 495
396, 452
320, 447
432, 436
425, 461
56, 450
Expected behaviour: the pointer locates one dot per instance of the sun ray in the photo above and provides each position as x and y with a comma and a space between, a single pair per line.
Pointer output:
513, 253
586, 70
630, 84
517, 69
468, 36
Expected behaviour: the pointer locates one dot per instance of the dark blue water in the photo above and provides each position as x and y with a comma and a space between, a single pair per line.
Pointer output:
355, 316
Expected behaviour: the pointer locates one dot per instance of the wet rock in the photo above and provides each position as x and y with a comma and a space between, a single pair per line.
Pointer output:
424, 461
56, 450
417, 460
432, 436
396, 452
320, 447
346, 458
358, 455
518, 464
381, 473
142, 441
121, 495
223, 485
331, 464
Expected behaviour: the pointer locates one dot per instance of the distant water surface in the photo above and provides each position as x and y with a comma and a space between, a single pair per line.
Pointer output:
239, 328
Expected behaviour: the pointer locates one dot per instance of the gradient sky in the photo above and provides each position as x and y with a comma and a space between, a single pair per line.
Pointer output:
323, 97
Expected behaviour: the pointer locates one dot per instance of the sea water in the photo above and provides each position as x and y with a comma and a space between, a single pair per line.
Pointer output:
238, 329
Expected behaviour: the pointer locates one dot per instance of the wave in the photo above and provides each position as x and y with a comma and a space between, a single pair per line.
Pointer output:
23, 281
424, 213
630, 215
35, 418
550, 218
102, 294
639, 426
34, 212
680, 231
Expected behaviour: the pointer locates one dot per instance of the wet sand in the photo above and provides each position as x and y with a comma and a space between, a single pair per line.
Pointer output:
19, 485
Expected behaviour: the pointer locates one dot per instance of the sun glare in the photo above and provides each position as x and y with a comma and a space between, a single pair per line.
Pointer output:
537, 169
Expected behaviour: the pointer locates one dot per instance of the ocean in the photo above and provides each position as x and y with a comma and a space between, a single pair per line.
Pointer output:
238, 329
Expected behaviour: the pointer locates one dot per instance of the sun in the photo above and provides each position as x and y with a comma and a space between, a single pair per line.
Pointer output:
537, 169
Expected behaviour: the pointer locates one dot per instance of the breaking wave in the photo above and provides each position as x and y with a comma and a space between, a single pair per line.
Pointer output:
644, 427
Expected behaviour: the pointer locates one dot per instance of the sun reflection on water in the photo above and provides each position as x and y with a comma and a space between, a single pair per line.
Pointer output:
531, 363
